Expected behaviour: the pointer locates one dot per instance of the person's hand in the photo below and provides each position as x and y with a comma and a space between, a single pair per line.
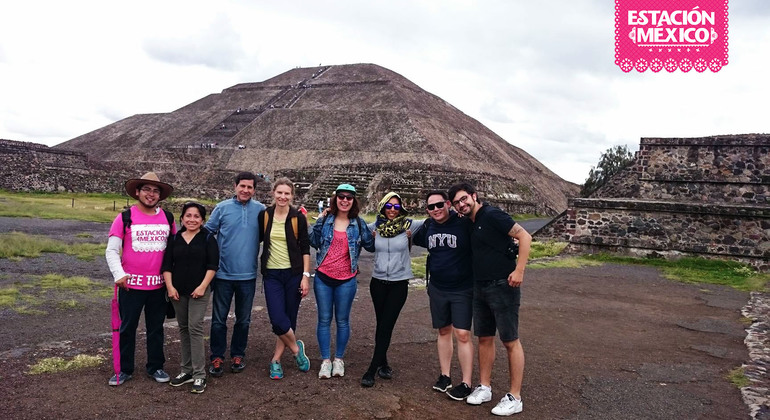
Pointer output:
409, 233
198, 292
515, 278
172, 293
304, 286
122, 282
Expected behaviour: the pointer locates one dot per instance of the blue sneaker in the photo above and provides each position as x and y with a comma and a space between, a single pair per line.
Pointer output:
303, 363
119, 379
276, 371
160, 376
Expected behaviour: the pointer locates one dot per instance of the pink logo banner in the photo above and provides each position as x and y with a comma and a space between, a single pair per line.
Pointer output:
671, 34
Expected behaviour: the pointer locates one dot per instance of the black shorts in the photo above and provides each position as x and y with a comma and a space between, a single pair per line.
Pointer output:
496, 307
451, 307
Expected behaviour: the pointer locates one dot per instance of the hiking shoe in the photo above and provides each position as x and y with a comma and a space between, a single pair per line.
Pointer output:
160, 376
118, 379
199, 385
385, 372
238, 364
460, 392
216, 370
508, 405
480, 395
181, 379
368, 379
338, 367
326, 370
276, 371
443, 384
303, 363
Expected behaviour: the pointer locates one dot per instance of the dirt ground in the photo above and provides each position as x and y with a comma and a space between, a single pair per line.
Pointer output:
610, 342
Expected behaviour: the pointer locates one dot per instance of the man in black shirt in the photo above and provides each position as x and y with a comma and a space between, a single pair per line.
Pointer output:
447, 238
496, 292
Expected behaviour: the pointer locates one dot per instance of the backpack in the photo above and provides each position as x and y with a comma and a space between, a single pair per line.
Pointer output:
293, 225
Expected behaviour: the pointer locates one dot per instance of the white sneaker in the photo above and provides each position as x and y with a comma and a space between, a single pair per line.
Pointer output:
326, 370
507, 406
338, 367
480, 395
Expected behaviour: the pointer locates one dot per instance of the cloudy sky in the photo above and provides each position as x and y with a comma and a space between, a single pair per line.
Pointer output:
539, 74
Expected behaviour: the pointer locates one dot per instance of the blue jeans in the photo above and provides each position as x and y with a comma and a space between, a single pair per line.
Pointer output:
337, 300
223, 291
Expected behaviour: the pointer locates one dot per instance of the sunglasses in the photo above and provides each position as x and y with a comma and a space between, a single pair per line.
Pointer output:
389, 206
348, 197
439, 205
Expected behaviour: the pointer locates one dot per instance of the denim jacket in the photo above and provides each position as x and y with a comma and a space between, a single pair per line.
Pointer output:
323, 232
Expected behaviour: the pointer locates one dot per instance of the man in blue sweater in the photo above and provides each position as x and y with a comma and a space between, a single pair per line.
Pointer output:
450, 289
237, 227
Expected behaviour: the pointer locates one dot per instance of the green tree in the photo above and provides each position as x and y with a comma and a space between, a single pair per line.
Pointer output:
613, 160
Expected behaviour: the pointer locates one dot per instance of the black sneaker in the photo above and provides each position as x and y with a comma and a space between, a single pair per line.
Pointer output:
460, 392
238, 364
368, 380
199, 385
385, 372
181, 379
216, 370
443, 383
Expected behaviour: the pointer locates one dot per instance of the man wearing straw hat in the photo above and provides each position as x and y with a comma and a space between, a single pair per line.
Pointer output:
137, 275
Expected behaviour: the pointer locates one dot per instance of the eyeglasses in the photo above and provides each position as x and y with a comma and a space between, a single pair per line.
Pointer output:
348, 197
439, 205
462, 199
150, 190
389, 206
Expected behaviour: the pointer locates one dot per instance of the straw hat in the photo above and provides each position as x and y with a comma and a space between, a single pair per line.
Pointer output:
148, 178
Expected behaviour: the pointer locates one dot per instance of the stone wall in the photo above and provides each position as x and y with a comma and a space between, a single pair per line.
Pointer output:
701, 196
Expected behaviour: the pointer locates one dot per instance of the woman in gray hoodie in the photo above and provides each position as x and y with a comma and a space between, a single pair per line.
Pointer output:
390, 278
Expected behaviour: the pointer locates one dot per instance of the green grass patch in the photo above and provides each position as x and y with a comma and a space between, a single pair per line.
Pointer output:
571, 262
546, 249
84, 235
59, 364
418, 266
51, 288
698, 270
72, 206
738, 377
16, 245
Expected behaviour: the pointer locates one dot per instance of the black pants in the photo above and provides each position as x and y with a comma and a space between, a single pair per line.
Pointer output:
131, 302
388, 298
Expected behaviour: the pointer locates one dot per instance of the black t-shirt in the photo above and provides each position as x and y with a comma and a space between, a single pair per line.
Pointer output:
490, 240
449, 245
188, 263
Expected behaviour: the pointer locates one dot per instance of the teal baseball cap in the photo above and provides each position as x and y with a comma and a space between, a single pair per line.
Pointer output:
346, 187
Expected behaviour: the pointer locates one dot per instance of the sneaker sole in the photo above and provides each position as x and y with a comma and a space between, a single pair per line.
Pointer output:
276, 377
196, 391
435, 388
508, 414
477, 403
189, 381
160, 380
456, 398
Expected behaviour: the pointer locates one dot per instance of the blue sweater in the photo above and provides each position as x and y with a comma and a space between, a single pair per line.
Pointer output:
237, 228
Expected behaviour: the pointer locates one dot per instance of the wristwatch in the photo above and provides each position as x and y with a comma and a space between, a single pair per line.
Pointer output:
306, 274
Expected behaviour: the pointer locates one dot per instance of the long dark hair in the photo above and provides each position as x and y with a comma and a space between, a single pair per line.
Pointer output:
354, 208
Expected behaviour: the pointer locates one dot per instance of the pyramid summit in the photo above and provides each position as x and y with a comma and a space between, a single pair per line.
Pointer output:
360, 123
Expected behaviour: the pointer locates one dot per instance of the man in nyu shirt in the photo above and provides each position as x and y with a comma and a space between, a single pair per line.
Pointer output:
237, 227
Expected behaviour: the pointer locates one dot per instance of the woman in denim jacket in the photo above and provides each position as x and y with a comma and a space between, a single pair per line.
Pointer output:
338, 236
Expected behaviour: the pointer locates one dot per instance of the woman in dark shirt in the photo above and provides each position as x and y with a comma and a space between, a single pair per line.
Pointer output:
189, 264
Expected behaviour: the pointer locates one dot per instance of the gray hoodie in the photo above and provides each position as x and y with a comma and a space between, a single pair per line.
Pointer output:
391, 255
